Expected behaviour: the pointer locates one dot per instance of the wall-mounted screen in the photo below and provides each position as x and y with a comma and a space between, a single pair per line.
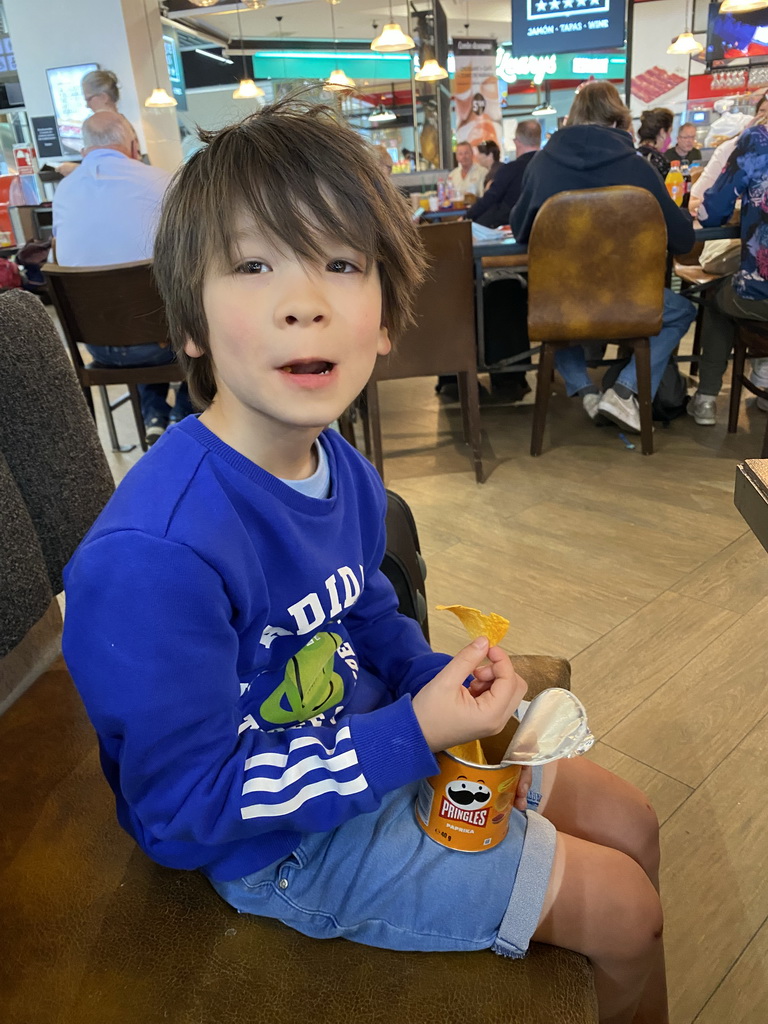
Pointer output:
69, 104
564, 26
736, 35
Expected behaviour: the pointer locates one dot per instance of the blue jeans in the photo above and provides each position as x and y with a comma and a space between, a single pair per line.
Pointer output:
678, 316
153, 396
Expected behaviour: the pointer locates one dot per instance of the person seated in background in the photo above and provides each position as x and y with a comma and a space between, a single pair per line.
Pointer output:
493, 208
685, 146
719, 158
489, 156
468, 176
653, 138
595, 151
106, 212
744, 296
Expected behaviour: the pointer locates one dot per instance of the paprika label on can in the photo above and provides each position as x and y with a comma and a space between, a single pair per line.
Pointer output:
466, 806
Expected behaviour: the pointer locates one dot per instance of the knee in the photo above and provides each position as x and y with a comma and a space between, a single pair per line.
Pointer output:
638, 923
645, 849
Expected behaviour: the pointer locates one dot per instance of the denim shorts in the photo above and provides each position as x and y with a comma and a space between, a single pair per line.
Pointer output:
380, 880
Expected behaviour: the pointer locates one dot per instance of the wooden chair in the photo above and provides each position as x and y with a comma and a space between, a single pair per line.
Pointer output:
596, 267
444, 337
751, 340
119, 306
695, 282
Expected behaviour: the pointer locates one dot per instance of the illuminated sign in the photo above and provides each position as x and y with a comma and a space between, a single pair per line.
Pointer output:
564, 65
590, 65
560, 26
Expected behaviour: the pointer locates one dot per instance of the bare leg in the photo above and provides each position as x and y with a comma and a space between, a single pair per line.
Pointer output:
601, 903
587, 802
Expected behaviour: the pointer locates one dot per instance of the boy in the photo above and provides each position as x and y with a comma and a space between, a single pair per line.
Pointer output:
269, 727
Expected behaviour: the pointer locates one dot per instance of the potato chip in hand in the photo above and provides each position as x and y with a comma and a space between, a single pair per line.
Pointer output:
476, 624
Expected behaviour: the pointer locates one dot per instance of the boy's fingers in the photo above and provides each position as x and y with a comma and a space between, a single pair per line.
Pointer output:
466, 661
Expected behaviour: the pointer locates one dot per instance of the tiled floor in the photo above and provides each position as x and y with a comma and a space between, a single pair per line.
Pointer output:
641, 571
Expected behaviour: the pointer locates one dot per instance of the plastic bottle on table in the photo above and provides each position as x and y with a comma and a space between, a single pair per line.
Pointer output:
685, 170
441, 192
675, 183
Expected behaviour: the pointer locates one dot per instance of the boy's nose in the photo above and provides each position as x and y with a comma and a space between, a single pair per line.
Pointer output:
302, 304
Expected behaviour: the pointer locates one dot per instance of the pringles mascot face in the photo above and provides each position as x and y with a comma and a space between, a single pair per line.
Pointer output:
470, 796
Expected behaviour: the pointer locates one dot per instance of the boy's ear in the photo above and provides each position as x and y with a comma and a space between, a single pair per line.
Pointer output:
192, 349
385, 345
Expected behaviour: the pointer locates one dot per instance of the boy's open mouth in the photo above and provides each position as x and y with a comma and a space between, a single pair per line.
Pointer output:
308, 366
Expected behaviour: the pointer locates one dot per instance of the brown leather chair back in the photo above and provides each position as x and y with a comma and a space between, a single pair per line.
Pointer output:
443, 339
596, 266
117, 305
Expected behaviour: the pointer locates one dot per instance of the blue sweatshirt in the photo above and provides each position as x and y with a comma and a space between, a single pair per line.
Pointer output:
241, 656
745, 177
590, 156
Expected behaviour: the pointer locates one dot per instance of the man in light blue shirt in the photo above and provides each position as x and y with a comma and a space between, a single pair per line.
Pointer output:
106, 212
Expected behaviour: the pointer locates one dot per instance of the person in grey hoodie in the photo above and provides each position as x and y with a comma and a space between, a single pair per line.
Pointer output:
595, 150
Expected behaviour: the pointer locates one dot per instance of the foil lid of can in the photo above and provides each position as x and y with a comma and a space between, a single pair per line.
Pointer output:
554, 726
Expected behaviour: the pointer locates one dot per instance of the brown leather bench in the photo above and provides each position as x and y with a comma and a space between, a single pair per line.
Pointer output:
95, 933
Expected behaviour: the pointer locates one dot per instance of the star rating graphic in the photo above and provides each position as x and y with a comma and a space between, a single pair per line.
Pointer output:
541, 6
581, 3
567, 3
554, 5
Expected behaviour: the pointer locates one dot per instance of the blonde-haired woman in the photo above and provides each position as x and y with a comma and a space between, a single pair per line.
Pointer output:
101, 91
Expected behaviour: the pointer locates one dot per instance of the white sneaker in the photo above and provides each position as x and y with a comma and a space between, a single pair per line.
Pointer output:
703, 408
762, 404
590, 401
625, 412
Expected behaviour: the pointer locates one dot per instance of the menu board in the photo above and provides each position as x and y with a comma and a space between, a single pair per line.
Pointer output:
565, 26
69, 104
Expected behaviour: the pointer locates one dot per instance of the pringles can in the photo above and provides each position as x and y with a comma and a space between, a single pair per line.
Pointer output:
466, 806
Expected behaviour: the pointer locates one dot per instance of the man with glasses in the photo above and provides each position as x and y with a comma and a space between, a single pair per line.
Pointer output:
685, 147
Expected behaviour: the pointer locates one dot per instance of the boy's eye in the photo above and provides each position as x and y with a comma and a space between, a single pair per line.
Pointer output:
342, 267
252, 267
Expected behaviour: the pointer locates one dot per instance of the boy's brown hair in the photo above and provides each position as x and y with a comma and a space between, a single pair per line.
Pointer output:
298, 173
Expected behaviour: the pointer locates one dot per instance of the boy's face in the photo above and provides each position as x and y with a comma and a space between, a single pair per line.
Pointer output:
292, 344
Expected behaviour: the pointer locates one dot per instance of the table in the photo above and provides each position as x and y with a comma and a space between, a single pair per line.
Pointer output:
751, 496
507, 246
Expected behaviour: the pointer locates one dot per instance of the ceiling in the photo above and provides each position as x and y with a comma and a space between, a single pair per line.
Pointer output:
311, 19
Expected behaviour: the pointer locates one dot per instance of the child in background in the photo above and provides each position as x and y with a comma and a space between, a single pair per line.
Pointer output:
269, 725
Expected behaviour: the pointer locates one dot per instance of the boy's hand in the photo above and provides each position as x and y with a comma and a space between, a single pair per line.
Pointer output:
449, 713
523, 785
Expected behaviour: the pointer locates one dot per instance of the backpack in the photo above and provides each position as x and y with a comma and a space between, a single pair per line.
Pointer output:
403, 564
671, 398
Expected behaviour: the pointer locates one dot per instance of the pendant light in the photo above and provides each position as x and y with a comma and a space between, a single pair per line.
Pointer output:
742, 6
255, 5
430, 70
204, 3
337, 81
247, 90
685, 43
159, 97
381, 115
392, 38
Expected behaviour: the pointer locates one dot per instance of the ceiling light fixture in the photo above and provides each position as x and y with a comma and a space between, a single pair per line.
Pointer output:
214, 56
685, 43
392, 38
255, 5
159, 97
204, 3
247, 89
430, 71
337, 81
542, 109
382, 114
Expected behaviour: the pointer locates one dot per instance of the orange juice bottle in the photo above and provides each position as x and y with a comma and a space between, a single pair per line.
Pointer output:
675, 183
